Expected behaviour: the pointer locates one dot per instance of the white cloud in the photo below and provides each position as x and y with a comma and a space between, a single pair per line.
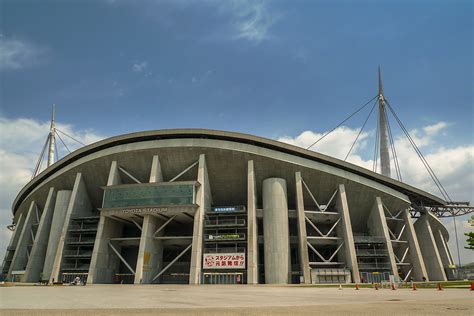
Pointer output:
17, 54
251, 19
454, 166
20, 146
139, 66
435, 128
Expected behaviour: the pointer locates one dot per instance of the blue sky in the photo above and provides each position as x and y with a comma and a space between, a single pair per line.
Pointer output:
304, 65
287, 70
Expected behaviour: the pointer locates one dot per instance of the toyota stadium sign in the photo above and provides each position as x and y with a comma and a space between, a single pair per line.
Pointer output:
224, 261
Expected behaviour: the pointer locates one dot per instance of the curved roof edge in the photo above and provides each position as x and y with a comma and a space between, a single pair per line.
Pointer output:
412, 192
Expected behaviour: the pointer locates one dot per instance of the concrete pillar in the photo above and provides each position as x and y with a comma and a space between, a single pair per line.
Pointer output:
377, 225
204, 201
346, 228
20, 258
79, 205
429, 250
38, 252
252, 235
302, 236
443, 249
416, 259
13, 243
150, 252
155, 174
275, 231
59, 214
104, 261
114, 174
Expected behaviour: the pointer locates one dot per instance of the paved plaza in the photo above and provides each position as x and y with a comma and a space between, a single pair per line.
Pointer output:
229, 300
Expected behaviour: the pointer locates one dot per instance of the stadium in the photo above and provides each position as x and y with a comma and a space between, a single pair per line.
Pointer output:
198, 206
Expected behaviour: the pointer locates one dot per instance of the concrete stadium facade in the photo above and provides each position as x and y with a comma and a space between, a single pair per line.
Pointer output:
201, 206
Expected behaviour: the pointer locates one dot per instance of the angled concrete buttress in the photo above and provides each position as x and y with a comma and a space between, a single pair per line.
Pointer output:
429, 249
103, 260
350, 253
275, 231
79, 205
156, 175
252, 243
13, 244
150, 252
59, 214
302, 236
37, 257
204, 201
419, 270
21, 256
377, 224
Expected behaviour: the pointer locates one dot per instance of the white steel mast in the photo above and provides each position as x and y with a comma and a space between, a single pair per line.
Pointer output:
383, 132
51, 139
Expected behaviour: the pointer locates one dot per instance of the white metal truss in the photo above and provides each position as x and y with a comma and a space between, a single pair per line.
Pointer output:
172, 262
320, 208
184, 171
121, 258
396, 216
318, 231
397, 238
408, 275
164, 225
329, 260
128, 174
402, 260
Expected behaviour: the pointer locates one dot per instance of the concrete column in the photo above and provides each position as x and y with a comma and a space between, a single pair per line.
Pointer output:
252, 236
114, 174
378, 227
443, 249
302, 236
429, 250
155, 174
104, 261
204, 200
59, 214
346, 228
79, 205
38, 252
275, 231
416, 259
13, 243
150, 252
20, 258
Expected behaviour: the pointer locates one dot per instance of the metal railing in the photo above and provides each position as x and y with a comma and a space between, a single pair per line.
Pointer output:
371, 253
77, 253
225, 222
374, 266
225, 250
80, 240
369, 240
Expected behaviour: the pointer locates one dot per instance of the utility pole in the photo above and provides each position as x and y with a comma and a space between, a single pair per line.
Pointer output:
383, 132
51, 139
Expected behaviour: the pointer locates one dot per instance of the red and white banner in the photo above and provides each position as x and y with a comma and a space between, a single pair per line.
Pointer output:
224, 261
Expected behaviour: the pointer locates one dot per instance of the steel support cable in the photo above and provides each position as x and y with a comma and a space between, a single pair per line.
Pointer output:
392, 147
63, 143
422, 158
70, 137
327, 133
41, 157
360, 131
